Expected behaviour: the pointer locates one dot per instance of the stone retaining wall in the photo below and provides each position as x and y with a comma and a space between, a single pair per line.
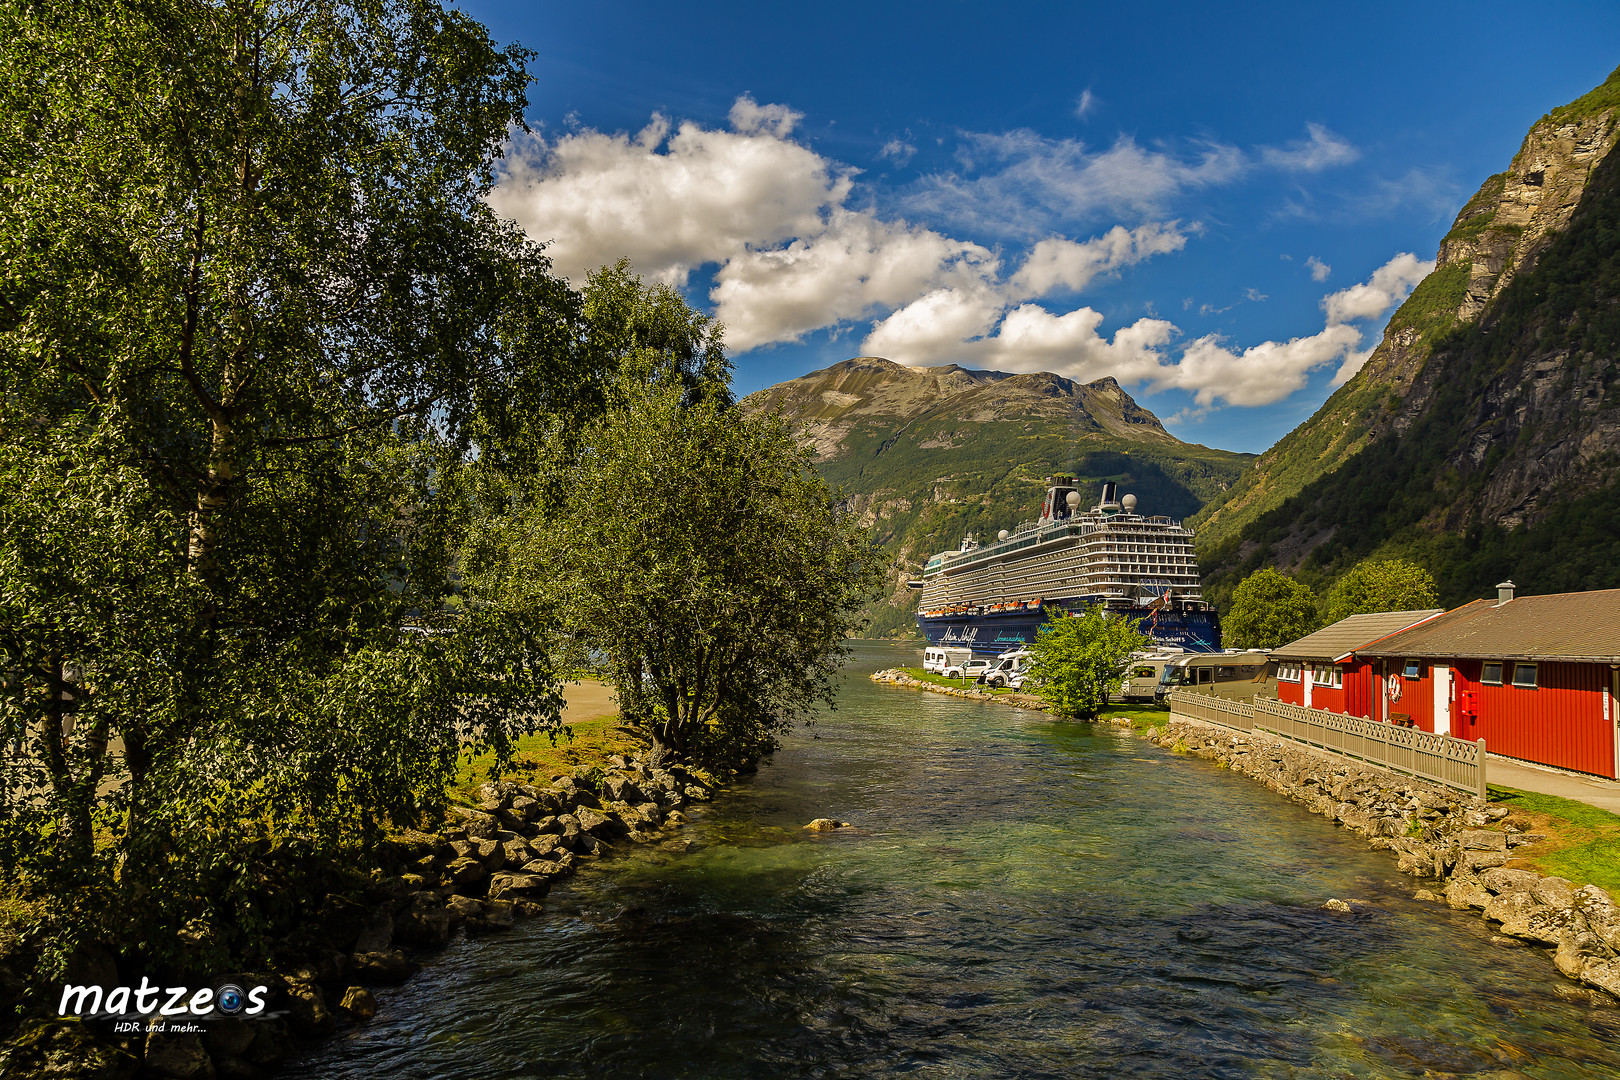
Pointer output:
1460, 843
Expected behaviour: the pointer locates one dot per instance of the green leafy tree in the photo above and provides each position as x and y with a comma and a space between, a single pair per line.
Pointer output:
253, 308
698, 560
1076, 661
1381, 585
1269, 609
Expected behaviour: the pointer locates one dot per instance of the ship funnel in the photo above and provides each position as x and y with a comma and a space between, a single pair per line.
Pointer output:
1110, 496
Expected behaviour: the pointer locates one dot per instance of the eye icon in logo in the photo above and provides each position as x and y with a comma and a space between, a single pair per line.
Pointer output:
229, 999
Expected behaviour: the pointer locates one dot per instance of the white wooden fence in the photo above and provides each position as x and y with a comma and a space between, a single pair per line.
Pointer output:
1214, 710
1456, 763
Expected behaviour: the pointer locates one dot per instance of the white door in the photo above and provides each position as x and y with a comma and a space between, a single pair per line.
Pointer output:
1305, 681
1442, 700
1611, 705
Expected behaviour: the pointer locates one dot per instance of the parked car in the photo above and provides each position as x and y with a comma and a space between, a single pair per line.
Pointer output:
970, 669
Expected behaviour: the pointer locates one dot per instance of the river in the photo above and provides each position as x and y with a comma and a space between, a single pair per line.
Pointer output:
1021, 898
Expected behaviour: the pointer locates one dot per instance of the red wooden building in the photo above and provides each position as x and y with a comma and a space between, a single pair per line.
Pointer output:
1534, 676
1323, 670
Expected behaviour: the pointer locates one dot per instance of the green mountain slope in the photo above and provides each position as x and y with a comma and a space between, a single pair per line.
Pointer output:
1499, 234
926, 455
1491, 450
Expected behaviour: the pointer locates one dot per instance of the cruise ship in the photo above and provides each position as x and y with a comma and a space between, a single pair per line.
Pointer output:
992, 597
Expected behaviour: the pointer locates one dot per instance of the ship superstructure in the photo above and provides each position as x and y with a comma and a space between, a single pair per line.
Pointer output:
992, 597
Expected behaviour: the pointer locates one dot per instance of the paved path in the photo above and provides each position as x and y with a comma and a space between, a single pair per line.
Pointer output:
1593, 790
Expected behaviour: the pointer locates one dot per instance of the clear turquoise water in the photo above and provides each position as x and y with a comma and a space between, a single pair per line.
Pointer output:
1022, 898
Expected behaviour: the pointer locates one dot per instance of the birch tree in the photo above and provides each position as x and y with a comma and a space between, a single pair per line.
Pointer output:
253, 307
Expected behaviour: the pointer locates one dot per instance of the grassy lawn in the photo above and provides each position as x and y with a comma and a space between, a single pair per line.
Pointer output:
1142, 717
1583, 842
538, 761
940, 680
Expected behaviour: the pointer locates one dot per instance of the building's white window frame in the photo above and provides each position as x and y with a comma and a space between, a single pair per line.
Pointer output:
1288, 671
1330, 676
1485, 673
1519, 680
1412, 669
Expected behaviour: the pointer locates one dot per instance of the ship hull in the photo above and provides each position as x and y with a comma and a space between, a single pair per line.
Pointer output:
993, 633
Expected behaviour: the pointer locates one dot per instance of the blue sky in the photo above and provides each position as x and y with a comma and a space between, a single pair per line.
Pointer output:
1217, 205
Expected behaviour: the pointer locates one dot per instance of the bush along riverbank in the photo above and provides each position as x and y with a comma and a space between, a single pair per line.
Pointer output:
489, 865
1460, 843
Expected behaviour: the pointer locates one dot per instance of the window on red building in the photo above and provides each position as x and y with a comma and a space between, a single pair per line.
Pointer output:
1491, 675
1524, 675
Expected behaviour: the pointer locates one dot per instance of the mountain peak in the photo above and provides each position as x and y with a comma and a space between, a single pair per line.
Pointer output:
829, 404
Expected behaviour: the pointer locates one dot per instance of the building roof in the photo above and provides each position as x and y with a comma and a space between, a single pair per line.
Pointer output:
1582, 626
1349, 635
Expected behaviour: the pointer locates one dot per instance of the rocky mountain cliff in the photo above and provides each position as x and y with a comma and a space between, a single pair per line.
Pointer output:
1481, 436
928, 454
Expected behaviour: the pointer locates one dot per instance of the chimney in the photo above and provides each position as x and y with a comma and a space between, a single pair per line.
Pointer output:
1504, 592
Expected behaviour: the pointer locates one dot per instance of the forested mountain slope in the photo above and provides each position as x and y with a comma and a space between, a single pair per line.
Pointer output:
928, 454
1481, 438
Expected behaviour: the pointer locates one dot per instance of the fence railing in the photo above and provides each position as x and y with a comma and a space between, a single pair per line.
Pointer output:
1455, 763
1214, 710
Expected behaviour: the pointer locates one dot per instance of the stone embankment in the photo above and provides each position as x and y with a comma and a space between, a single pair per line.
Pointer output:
1460, 843
898, 677
491, 865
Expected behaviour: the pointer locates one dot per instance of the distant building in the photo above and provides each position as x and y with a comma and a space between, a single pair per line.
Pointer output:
1324, 671
1535, 677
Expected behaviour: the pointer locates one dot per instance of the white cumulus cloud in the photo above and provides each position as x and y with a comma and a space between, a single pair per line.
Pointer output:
1056, 263
1389, 285
981, 327
669, 202
851, 268
1320, 270
794, 254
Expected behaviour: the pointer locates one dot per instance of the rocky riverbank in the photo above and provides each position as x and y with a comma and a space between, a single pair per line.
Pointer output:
490, 865
899, 677
1461, 845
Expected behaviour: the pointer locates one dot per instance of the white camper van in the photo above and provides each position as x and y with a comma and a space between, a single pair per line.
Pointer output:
936, 658
1008, 670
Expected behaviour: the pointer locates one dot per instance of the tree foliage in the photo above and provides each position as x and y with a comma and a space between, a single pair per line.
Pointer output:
1076, 661
253, 312
1269, 609
691, 553
1381, 585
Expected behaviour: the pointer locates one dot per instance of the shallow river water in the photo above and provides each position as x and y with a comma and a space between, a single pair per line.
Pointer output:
1022, 898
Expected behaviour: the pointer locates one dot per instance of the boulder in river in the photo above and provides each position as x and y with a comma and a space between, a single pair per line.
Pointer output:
518, 886
388, 967
358, 1003
827, 824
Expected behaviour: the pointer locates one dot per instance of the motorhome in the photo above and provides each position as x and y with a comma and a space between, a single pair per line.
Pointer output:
1008, 669
936, 658
1239, 676
1141, 682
